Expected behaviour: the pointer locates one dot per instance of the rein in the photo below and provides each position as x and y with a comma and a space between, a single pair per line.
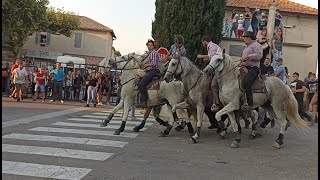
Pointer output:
226, 72
127, 82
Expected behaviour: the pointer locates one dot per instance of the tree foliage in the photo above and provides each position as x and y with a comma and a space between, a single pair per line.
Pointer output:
22, 18
116, 53
190, 18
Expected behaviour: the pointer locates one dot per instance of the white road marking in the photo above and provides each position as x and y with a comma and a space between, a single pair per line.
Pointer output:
43, 171
113, 121
93, 126
117, 114
72, 140
104, 117
57, 152
86, 132
42, 116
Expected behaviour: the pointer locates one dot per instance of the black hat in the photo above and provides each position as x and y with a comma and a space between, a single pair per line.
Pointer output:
250, 34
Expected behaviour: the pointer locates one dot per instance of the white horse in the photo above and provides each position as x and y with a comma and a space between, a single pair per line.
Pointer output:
279, 101
197, 88
171, 93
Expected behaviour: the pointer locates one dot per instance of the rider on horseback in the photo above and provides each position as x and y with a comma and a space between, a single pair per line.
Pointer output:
151, 67
212, 50
251, 60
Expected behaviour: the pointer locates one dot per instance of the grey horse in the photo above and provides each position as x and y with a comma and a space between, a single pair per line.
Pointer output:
167, 94
279, 101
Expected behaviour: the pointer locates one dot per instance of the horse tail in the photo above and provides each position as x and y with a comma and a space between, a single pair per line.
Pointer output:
293, 115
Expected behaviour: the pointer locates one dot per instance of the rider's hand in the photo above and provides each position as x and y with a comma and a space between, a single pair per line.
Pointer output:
244, 58
199, 56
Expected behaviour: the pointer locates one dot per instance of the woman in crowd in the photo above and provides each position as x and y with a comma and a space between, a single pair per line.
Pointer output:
92, 89
263, 40
77, 83
68, 85
277, 42
32, 76
99, 88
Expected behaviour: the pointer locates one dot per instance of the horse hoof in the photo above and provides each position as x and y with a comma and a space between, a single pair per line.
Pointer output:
178, 128
162, 134
276, 145
117, 132
251, 136
136, 129
193, 140
235, 144
104, 123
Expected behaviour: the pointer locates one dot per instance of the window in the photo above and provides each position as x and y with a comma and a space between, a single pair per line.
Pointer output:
77, 40
42, 38
236, 50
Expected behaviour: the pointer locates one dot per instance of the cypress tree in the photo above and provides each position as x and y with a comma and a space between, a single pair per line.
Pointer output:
190, 18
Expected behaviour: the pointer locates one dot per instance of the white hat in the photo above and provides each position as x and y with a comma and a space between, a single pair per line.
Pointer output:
263, 14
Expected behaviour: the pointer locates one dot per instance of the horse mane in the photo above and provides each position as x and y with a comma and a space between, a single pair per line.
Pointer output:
192, 64
229, 63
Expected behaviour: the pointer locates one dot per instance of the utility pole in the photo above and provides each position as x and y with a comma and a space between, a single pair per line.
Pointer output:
273, 6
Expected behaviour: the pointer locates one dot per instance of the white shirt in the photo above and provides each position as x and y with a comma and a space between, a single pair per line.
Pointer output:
19, 76
240, 24
234, 18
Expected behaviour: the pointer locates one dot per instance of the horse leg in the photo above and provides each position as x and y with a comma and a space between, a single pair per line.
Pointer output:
236, 142
110, 116
156, 114
127, 105
200, 112
145, 117
253, 116
183, 123
225, 110
169, 126
281, 117
182, 105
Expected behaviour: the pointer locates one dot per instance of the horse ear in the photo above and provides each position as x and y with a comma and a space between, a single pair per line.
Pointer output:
176, 56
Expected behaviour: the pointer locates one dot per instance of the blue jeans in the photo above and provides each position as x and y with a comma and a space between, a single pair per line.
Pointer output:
133, 109
7, 86
246, 25
276, 55
234, 29
254, 29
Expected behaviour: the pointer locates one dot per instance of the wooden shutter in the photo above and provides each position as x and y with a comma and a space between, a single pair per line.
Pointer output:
48, 38
77, 40
36, 38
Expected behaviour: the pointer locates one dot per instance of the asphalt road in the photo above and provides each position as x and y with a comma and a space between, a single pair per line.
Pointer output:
64, 141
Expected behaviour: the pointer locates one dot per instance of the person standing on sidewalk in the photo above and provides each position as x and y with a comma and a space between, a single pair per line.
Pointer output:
298, 88
40, 78
13, 67
92, 90
77, 83
20, 78
58, 79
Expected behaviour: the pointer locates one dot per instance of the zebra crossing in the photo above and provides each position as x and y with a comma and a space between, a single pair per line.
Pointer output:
77, 132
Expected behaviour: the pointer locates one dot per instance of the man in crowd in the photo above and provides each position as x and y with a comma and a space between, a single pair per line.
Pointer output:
312, 87
280, 70
13, 67
58, 78
298, 88
20, 76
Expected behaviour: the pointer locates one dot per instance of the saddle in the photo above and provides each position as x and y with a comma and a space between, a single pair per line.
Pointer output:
153, 85
257, 87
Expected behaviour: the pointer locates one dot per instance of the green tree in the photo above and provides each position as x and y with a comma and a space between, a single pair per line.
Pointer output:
190, 18
116, 53
22, 18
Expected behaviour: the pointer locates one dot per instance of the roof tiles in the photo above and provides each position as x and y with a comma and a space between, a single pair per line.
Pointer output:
284, 6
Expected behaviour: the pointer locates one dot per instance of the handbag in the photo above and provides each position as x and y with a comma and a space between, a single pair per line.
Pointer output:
265, 45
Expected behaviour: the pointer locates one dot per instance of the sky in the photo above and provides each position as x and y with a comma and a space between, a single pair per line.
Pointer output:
130, 19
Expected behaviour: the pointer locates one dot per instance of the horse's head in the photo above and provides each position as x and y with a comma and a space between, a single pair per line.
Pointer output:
121, 62
216, 63
174, 69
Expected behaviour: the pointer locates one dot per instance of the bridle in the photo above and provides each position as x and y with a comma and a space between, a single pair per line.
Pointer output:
127, 62
213, 69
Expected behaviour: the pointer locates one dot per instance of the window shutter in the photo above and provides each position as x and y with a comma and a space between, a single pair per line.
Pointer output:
37, 38
48, 38
77, 40
236, 50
